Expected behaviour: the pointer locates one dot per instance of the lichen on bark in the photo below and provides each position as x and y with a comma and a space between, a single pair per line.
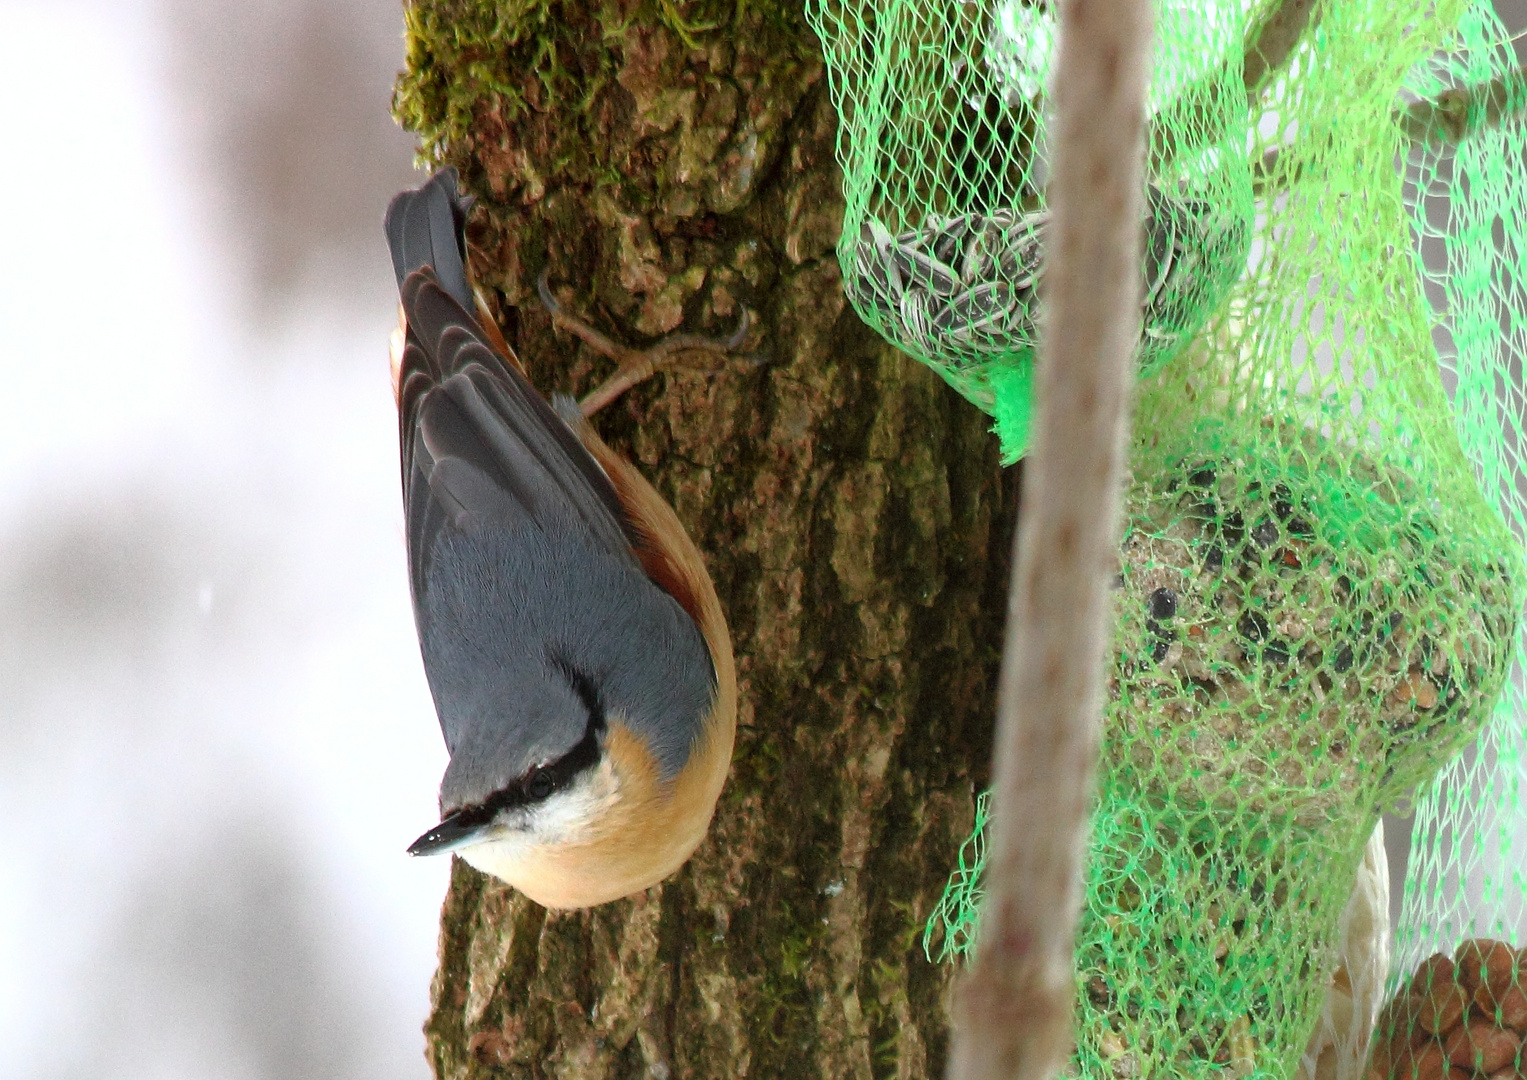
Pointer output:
669, 165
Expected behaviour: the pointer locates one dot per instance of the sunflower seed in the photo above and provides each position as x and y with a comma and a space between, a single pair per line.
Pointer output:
879, 262
914, 317
946, 242
859, 289
985, 305
929, 273
932, 225
1159, 254
981, 246
1022, 251
873, 285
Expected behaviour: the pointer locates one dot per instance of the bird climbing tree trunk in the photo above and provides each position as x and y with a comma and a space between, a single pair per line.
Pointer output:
669, 165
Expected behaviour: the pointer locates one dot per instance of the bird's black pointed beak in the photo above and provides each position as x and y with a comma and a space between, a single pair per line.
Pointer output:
450, 834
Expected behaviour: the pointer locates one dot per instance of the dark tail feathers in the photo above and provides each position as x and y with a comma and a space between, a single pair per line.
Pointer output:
427, 227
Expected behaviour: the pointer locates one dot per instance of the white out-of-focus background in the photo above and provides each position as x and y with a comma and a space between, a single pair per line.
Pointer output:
215, 735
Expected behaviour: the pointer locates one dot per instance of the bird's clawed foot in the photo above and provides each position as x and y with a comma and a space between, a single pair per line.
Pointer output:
639, 365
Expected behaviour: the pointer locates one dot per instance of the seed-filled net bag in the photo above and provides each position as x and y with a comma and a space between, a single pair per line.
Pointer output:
1317, 600
943, 115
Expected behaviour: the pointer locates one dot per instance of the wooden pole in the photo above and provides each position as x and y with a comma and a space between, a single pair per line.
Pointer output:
1012, 1013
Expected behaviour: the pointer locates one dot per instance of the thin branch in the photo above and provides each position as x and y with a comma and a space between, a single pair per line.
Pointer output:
1275, 39
1456, 113
1268, 46
1013, 1010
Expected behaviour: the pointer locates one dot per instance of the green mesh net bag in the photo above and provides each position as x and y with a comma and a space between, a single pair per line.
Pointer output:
1458, 987
942, 141
1468, 870
1318, 592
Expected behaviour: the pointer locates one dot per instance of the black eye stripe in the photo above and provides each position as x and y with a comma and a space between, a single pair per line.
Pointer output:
586, 753
584, 687
546, 780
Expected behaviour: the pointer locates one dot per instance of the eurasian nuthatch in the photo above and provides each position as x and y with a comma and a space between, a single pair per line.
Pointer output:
573, 641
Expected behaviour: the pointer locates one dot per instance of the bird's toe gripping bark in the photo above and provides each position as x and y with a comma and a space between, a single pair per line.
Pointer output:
639, 365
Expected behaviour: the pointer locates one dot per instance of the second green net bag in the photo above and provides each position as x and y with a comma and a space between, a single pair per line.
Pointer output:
1316, 606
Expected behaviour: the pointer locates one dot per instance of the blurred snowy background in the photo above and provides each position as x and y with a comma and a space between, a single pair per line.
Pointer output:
215, 735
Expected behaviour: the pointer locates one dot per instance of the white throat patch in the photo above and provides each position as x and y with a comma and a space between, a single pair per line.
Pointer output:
568, 818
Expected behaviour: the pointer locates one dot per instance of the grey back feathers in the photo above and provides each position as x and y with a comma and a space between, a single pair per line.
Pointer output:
508, 612
527, 593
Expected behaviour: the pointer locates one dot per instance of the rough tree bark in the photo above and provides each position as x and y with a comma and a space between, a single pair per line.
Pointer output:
670, 164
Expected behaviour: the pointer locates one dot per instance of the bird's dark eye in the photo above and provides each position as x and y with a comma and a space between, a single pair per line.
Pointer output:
539, 784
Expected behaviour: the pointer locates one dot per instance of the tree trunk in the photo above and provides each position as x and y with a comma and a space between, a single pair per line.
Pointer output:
669, 171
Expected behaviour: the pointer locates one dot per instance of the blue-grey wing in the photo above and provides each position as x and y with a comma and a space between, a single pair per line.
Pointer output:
480, 445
